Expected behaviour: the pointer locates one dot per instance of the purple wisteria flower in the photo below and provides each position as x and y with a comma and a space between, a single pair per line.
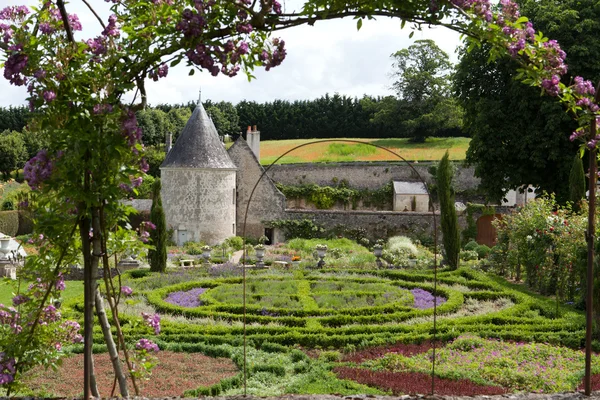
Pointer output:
111, 29
9, 316
424, 299
72, 331
49, 95
7, 369
126, 290
51, 314
14, 13
189, 298
20, 299
148, 345
38, 169
153, 321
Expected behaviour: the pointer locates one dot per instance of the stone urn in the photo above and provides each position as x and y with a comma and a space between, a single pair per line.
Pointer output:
4, 244
321, 251
260, 254
206, 253
377, 252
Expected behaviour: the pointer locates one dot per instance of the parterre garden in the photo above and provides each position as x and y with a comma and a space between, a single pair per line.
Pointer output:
344, 329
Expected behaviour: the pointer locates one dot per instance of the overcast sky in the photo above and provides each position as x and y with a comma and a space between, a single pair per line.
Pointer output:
329, 57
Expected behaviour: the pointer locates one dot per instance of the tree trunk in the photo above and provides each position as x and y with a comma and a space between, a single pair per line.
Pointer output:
110, 290
110, 344
88, 301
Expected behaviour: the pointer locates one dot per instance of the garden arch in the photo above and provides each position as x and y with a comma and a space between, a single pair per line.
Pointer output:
435, 241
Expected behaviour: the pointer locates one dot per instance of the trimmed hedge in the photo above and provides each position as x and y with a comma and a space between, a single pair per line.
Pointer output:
25, 222
9, 222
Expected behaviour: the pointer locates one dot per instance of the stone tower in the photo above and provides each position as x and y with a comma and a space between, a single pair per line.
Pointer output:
198, 184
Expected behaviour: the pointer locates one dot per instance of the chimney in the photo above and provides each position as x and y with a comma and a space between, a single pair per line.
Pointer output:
169, 142
253, 139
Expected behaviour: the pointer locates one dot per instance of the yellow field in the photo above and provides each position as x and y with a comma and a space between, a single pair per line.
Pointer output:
336, 150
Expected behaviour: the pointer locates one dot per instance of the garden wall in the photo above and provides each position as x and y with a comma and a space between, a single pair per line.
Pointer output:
377, 224
368, 175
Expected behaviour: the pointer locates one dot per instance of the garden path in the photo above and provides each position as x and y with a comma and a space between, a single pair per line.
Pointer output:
237, 256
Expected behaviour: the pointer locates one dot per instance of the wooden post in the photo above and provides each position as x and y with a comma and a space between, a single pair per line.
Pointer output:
591, 234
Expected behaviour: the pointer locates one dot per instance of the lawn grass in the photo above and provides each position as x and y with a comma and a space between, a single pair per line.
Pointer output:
73, 290
330, 151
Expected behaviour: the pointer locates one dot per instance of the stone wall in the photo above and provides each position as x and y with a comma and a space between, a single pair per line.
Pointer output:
377, 224
268, 202
200, 202
371, 175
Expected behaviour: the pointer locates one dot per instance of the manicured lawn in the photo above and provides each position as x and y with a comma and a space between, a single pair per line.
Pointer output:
73, 290
432, 150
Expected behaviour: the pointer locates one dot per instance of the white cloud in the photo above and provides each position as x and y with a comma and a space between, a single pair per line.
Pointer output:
329, 57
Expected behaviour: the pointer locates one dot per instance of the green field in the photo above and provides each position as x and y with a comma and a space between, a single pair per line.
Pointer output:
330, 150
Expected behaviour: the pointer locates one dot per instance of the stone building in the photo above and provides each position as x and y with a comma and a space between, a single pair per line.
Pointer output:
410, 196
268, 203
199, 184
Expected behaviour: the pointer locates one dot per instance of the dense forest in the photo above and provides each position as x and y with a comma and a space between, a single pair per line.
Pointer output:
329, 116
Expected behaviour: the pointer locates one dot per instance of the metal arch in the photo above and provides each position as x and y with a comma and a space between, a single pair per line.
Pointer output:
431, 208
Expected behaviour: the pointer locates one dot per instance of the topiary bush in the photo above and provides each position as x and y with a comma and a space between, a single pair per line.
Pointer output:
471, 246
9, 222
482, 251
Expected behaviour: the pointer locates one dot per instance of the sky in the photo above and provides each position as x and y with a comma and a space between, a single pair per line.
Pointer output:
329, 57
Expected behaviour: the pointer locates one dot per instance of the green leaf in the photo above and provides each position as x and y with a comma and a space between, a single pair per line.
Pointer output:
411, 34
359, 24
175, 62
192, 72
522, 20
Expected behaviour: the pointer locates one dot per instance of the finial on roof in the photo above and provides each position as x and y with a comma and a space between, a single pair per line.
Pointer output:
200, 96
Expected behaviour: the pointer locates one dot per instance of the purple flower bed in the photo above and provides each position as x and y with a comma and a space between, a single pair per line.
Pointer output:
186, 299
424, 299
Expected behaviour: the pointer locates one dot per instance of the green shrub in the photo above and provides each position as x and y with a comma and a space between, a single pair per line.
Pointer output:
9, 222
275, 369
482, 251
158, 235
144, 191
273, 348
468, 255
449, 220
402, 243
193, 248
25, 223
471, 246
298, 355
235, 242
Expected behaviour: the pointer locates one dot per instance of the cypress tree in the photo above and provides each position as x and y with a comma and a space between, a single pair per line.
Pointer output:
158, 236
576, 182
449, 220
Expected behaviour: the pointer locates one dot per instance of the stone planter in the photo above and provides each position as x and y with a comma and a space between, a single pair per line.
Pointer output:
4, 242
260, 253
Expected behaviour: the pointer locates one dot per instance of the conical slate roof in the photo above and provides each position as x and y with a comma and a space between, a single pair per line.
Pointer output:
198, 145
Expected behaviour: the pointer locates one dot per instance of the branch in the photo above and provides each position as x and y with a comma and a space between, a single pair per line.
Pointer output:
95, 14
65, 17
